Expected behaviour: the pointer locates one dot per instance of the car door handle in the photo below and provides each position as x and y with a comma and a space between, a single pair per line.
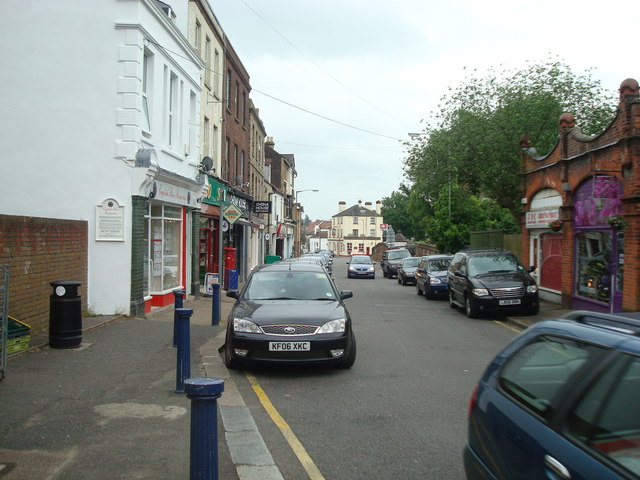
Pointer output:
557, 467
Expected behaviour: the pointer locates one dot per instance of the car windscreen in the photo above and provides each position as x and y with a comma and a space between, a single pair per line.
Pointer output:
289, 285
360, 261
494, 264
410, 262
439, 265
394, 255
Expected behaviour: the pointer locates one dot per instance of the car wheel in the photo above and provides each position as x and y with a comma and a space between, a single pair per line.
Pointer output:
404, 282
350, 359
533, 310
384, 274
452, 304
418, 291
470, 308
398, 278
228, 358
427, 294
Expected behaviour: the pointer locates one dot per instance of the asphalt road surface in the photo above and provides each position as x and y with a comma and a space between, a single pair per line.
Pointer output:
401, 411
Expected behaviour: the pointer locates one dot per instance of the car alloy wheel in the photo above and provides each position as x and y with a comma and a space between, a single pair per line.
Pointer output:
452, 304
470, 308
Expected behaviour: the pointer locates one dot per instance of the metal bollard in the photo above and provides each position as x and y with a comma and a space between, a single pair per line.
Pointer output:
215, 305
178, 293
204, 394
183, 363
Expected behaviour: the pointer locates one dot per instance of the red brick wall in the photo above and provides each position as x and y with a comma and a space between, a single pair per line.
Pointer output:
38, 251
576, 157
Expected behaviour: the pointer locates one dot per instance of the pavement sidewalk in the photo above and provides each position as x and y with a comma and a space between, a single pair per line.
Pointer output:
108, 409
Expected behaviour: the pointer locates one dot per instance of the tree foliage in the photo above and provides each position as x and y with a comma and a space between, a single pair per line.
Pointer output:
475, 135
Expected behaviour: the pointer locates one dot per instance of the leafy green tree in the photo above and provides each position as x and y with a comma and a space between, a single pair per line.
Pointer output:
474, 137
457, 212
405, 212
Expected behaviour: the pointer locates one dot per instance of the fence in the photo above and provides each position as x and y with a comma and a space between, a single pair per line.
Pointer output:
4, 313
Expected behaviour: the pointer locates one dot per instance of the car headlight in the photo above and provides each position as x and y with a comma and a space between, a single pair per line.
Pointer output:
435, 281
372, 269
480, 292
351, 269
532, 288
245, 326
334, 326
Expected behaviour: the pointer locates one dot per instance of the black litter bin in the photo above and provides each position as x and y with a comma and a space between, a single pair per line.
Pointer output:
65, 315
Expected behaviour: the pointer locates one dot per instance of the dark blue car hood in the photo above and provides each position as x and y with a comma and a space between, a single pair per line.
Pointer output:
305, 312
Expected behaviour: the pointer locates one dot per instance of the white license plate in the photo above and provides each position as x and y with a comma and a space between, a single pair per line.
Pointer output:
289, 346
515, 301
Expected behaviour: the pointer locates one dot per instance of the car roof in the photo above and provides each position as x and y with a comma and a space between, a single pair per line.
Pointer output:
484, 251
614, 330
291, 265
438, 256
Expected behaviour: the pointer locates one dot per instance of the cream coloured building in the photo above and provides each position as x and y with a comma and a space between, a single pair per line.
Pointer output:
357, 229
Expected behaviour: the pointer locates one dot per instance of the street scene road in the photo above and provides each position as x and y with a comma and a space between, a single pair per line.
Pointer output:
401, 411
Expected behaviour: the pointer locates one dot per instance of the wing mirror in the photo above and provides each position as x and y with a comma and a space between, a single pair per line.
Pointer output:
233, 294
344, 294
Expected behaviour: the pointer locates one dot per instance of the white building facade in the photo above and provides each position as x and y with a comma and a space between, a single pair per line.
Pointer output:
99, 113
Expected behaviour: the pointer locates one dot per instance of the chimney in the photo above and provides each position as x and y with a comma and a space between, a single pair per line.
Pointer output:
341, 206
270, 142
379, 207
367, 205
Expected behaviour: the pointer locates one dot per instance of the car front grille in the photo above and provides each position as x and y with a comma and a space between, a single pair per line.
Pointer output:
511, 292
285, 330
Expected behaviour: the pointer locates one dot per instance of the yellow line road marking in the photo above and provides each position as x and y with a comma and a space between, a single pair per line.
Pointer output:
506, 325
294, 443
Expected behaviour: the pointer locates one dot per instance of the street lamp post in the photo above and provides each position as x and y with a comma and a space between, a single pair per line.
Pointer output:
298, 247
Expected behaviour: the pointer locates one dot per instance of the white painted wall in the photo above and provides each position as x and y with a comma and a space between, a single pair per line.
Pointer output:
70, 118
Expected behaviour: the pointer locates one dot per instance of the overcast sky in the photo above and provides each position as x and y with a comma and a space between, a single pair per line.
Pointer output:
379, 68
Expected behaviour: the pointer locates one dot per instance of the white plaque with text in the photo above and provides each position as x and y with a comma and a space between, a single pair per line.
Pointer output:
110, 221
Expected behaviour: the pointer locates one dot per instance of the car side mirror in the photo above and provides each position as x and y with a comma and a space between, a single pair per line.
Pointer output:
459, 274
532, 268
233, 294
375, 263
348, 263
344, 294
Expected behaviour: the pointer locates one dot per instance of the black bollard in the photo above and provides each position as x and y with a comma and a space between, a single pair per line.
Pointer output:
183, 357
178, 303
204, 394
215, 304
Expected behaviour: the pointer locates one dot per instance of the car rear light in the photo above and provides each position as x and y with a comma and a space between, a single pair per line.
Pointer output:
473, 399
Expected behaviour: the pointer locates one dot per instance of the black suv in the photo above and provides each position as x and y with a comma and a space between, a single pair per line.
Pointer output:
491, 279
391, 260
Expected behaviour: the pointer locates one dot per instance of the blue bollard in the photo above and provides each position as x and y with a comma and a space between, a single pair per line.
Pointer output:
204, 394
183, 363
215, 304
178, 293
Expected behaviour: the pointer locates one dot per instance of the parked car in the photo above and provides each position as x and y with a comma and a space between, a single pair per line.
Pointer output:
326, 260
561, 401
328, 253
407, 270
491, 279
361, 266
431, 276
391, 260
290, 312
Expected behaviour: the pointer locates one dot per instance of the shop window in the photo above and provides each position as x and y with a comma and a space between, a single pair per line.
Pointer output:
593, 263
162, 265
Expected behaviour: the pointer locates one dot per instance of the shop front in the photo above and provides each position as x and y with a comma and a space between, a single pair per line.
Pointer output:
598, 245
166, 241
210, 235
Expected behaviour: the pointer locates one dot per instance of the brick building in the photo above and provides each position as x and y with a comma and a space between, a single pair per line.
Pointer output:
586, 183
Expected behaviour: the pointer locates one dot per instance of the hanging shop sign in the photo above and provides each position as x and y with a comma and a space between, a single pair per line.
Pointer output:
215, 193
110, 221
541, 218
261, 207
232, 213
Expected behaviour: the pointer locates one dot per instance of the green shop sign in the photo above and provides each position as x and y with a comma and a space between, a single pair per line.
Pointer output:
216, 193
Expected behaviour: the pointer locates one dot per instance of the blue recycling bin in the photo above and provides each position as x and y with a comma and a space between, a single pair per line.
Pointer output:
231, 279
